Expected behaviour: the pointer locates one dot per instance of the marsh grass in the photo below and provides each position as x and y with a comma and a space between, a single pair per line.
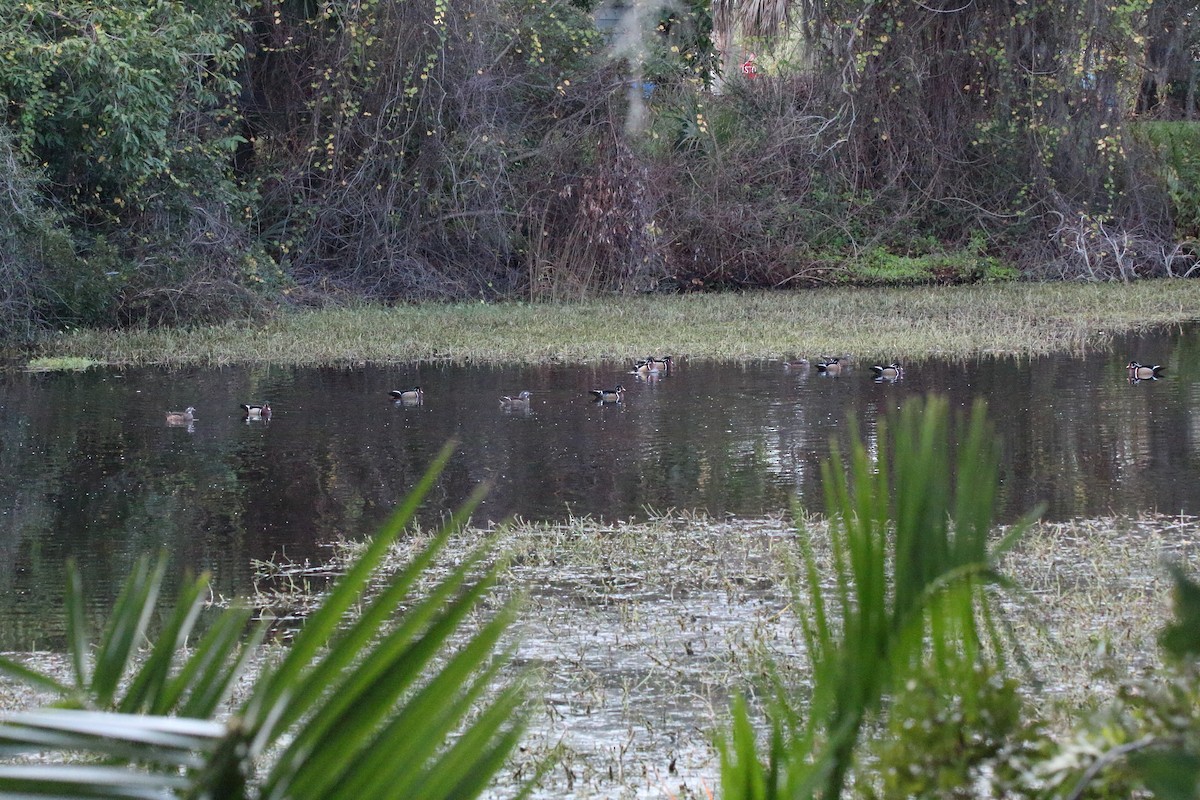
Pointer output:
60, 364
956, 321
638, 633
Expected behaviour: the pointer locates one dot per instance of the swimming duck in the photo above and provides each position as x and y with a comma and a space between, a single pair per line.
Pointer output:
608, 395
257, 411
1143, 372
651, 364
830, 366
413, 396
181, 417
521, 401
888, 372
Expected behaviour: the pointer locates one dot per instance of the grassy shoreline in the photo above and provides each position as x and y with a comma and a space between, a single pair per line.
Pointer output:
954, 322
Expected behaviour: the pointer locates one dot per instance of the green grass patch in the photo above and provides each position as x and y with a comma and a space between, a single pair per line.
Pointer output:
60, 363
867, 323
881, 266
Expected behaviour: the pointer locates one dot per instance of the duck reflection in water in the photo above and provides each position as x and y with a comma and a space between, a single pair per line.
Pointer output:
520, 403
182, 419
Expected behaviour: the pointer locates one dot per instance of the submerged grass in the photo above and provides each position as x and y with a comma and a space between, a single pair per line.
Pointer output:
60, 364
960, 321
638, 633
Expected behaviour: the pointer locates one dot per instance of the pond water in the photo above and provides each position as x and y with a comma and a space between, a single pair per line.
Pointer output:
92, 470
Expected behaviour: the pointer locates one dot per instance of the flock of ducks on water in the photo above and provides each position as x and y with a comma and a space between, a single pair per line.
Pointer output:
835, 365
647, 368
250, 411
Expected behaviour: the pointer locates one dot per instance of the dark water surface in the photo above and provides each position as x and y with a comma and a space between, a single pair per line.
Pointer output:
91, 470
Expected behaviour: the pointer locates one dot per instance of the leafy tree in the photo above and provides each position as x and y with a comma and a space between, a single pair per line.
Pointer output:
127, 107
121, 101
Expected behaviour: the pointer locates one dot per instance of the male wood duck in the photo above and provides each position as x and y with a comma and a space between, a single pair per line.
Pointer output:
888, 372
608, 395
830, 365
256, 411
521, 401
181, 417
413, 396
652, 364
1143, 372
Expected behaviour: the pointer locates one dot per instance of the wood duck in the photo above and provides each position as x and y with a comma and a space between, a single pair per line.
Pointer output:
520, 401
888, 372
181, 417
800, 363
608, 395
651, 364
1143, 372
257, 411
413, 396
830, 366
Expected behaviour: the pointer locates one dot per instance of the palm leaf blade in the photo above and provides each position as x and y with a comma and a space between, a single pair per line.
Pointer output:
57, 780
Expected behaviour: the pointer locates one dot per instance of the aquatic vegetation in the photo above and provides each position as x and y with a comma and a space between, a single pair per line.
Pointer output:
60, 363
873, 324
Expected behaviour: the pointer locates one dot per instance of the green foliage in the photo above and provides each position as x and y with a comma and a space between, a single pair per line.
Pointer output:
229, 153
911, 558
682, 48
897, 644
1181, 639
1177, 147
121, 679
35, 248
126, 109
880, 266
123, 100
361, 705
1148, 737
945, 735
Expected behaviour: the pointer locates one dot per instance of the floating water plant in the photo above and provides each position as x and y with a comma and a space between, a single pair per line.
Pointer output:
60, 364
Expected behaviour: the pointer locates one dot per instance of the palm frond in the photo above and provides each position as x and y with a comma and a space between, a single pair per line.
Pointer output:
361, 706
909, 535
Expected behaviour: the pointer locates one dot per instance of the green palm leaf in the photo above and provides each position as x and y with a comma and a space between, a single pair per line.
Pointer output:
362, 702
909, 540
